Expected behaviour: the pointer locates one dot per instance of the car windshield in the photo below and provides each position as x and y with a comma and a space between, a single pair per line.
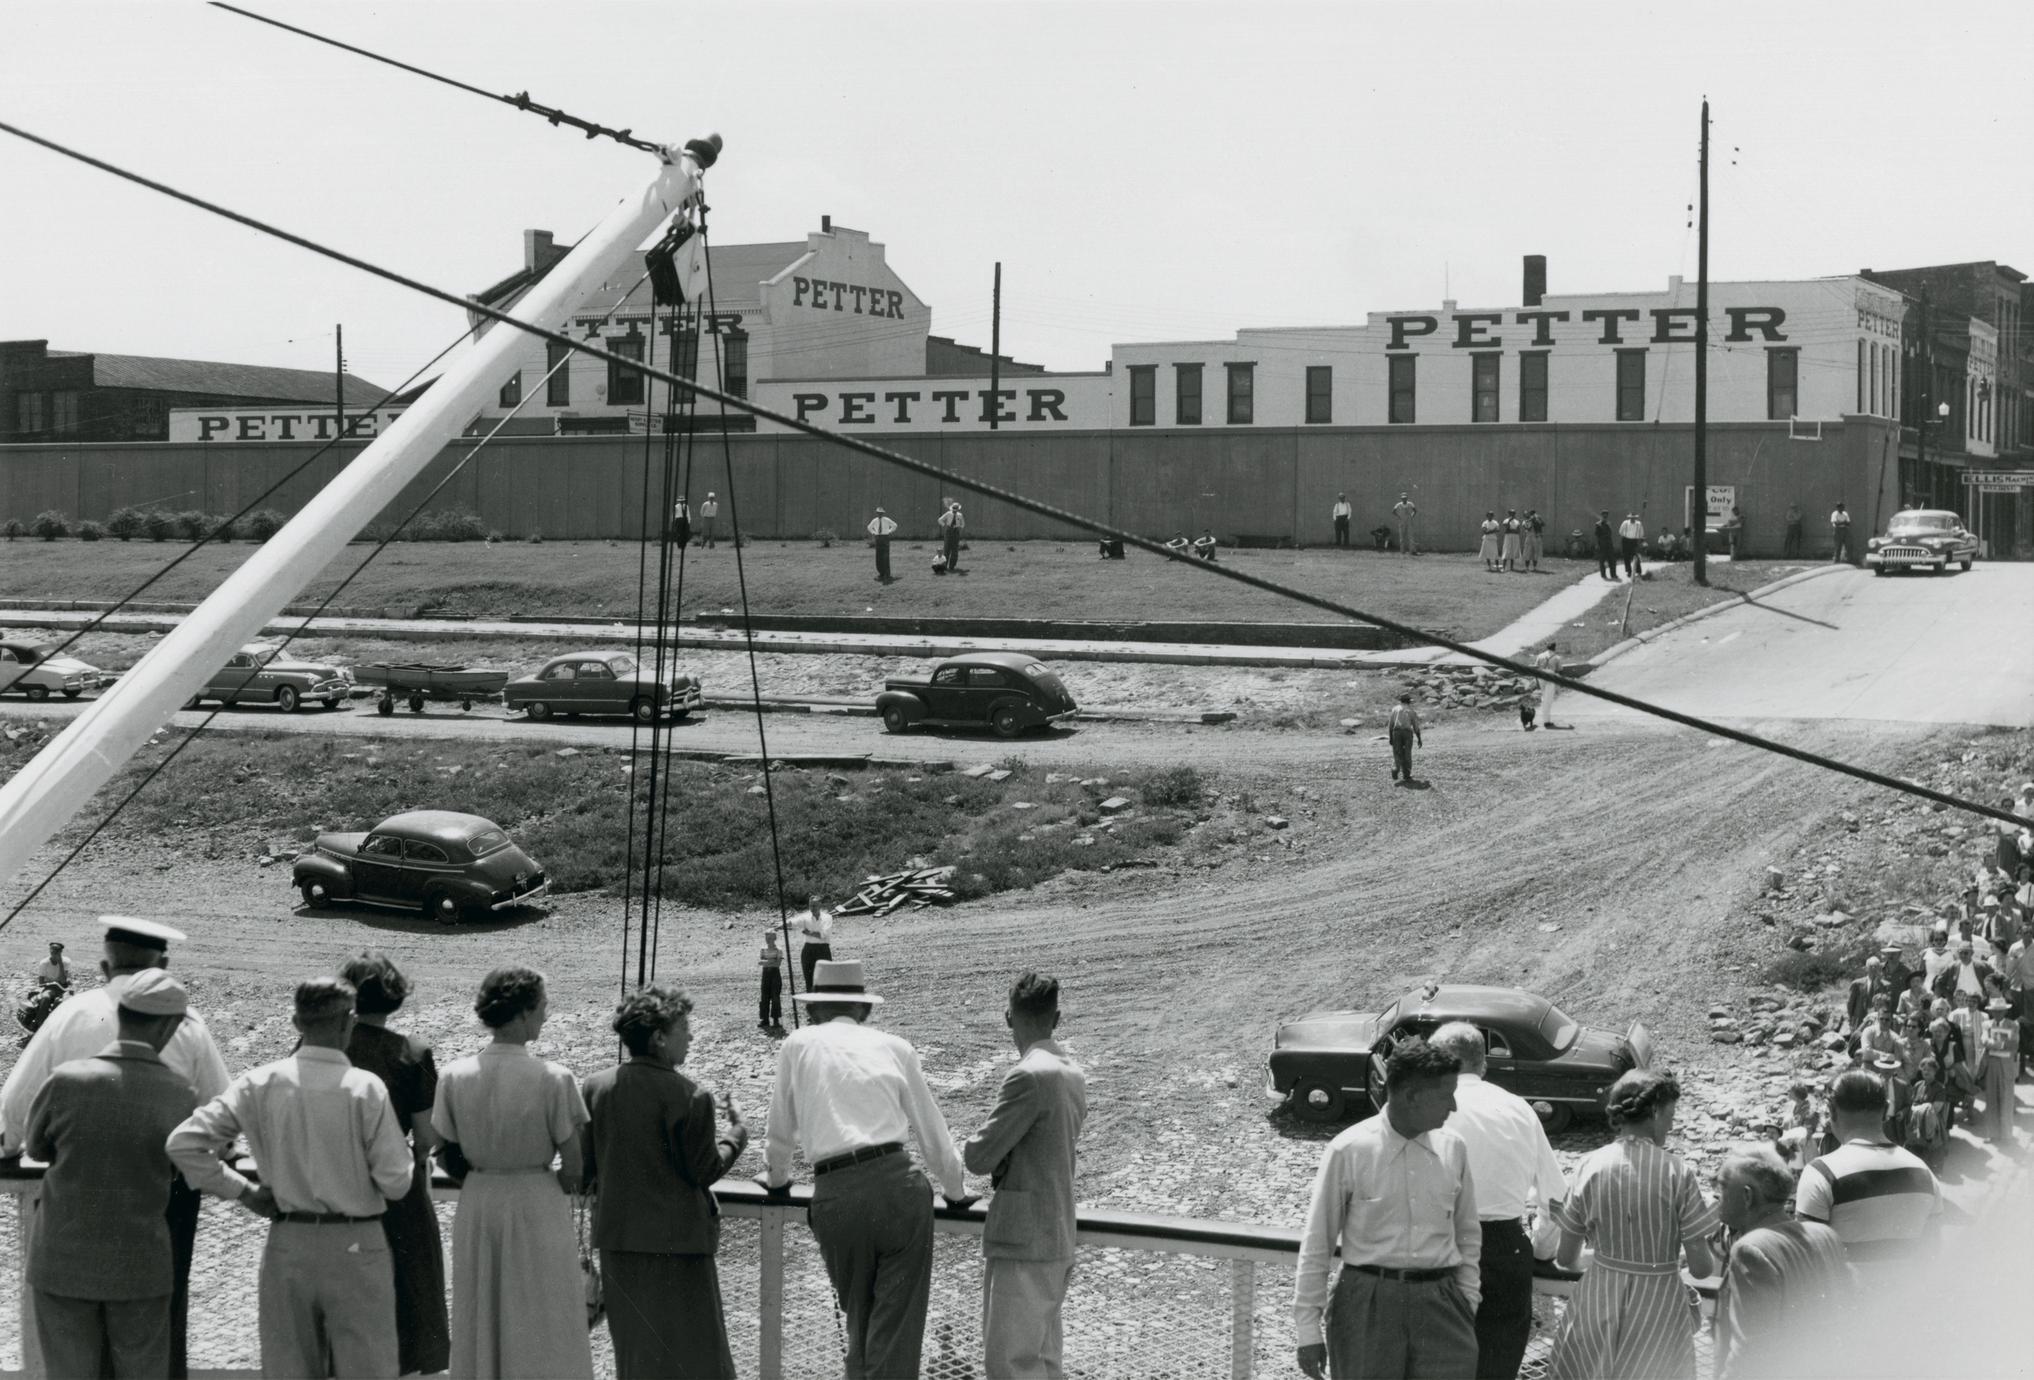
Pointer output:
487, 841
1924, 522
1557, 1029
622, 665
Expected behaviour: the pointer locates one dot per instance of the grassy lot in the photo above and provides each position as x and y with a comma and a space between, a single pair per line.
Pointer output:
1024, 579
571, 811
1671, 593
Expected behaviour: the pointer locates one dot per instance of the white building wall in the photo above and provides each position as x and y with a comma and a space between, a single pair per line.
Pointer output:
1029, 403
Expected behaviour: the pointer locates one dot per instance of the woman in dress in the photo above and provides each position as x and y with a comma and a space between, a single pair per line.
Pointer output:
1929, 1117
518, 1296
1970, 1023
406, 1069
1488, 549
2002, 1067
652, 1159
1641, 1207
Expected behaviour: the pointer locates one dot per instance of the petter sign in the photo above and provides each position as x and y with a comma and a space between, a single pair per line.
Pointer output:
228, 424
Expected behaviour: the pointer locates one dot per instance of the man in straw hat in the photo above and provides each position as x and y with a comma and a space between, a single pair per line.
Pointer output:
101, 1265
80, 1029
845, 1095
881, 528
332, 1157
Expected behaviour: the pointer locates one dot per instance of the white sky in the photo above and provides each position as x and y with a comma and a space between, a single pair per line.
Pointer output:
1145, 171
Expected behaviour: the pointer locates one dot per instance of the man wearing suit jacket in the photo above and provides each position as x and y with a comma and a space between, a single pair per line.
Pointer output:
1027, 1145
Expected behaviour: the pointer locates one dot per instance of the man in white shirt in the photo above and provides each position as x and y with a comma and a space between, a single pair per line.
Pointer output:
845, 1095
1342, 513
1512, 1163
1405, 510
709, 518
951, 524
1839, 528
881, 528
815, 927
332, 1157
54, 971
1631, 536
84, 1026
1397, 1194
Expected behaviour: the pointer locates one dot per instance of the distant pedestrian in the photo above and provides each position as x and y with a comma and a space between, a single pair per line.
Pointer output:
332, 1158
816, 928
1205, 545
1027, 1147
1783, 1281
770, 1005
1535, 540
1793, 542
1549, 661
100, 1264
1513, 550
1487, 548
681, 524
1631, 535
881, 529
1882, 1200
1342, 513
1396, 1195
1403, 729
1606, 553
1839, 529
951, 525
1405, 511
1733, 530
709, 517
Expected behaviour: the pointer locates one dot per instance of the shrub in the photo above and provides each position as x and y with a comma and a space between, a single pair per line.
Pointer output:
535, 537
446, 526
13, 528
159, 525
90, 531
374, 532
50, 524
1811, 970
192, 525
825, 536
1174, 786
125, 523
264, 523
221, 526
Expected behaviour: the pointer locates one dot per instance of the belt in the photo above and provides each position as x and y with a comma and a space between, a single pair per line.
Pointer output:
1409, 1276
853, 1157
1516, 1224
325, 1219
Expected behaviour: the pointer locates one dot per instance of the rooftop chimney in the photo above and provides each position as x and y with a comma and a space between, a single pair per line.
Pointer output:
1535, 279
826, 225
536, 249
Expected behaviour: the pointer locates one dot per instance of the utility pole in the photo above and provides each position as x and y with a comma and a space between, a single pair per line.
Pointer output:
996, 346
1701, 495
339, 376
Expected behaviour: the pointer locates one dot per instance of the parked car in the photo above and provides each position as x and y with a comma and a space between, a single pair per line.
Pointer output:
602, 683
448, 865
1918, 537
259, 674
1006, 691
30, 668
1328, 1063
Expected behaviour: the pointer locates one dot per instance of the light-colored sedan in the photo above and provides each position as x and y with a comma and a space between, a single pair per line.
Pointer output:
259, 674
1922, 539
28, 667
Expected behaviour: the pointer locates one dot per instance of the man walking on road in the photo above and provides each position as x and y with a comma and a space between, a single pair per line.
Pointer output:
1632, 535
1405, 510
1027, 1145
709, 517
1839, 528
881, 529
1403, 730
1341, 515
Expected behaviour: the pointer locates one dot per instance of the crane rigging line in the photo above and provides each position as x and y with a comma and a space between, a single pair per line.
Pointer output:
1025, 503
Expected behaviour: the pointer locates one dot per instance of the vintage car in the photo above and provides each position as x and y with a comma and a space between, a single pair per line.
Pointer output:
1328, 1063
1006, 691
28, 667
259, 674
448, 865
1921, 538
601, 683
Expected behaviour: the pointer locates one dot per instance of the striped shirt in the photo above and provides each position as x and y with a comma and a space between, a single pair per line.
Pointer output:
1881, 1199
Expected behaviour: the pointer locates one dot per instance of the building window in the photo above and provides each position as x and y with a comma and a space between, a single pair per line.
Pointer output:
1631, 385
1401, 402
1320, 394
1532, 386
28, 413
1861, 376
1144, 395
735, 357
685, 351
64, 411
625, 385
1186, 383
1783, 394
558, 392
512, 391
1483, 371
1242, 400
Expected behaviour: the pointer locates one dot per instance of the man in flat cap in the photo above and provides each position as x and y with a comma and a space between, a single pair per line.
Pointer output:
101, 1265
80, 1029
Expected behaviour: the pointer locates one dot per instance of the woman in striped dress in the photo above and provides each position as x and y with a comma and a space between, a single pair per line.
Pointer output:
1639, 1205
2002, 1069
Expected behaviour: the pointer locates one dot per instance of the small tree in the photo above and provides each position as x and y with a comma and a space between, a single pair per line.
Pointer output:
191, 525
264, 523
159, 525
90, 531
13, 528
50, 524
125, 523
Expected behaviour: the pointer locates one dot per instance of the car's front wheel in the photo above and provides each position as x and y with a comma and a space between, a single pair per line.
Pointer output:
1007, 722
73, 694
1966, 566
286, 697
1878, 570
1314, 1101
893, 718
313, 893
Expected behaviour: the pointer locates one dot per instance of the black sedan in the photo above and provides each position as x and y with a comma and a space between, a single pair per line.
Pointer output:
1328, 1063
602, 683
450, 866
1005, 691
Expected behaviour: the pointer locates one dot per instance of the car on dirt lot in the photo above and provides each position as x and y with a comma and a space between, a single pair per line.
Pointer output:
28, 668
1327, 1064
602, 683
1006, 691
1922, 539
448, 865
259, 674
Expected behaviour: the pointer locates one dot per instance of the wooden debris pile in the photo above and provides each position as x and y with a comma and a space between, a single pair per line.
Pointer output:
915, 887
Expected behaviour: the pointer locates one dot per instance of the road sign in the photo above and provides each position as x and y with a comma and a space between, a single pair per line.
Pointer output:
1993, 480
1998, 488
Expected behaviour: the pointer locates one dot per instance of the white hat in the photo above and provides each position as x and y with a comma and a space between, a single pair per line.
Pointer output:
839, 979
145, 934
153, 992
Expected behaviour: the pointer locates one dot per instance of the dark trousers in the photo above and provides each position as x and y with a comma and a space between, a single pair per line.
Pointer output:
681, 532
1504, 1320
184, 1205
1842, 545
1606, 563
1793, 547
951, 550
1391, 1329
1632, 562
882, 558
808, 959
873, 1222
88, 1338
770, 1007
1341, 531
1401, 753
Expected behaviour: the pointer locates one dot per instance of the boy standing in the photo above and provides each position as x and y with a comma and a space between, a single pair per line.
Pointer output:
770, 1008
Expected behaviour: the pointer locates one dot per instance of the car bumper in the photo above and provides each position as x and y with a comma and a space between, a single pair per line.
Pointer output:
691, 697
520, 898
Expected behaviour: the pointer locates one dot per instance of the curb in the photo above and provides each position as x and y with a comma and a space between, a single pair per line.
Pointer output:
1638, 640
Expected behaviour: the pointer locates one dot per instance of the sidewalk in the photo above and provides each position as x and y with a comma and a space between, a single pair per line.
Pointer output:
1536, 626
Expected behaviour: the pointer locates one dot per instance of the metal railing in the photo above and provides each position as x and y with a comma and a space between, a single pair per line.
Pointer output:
1172, 1298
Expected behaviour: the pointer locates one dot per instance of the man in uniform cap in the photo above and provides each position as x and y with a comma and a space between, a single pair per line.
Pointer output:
54, 971
80, 1029
101, 1266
